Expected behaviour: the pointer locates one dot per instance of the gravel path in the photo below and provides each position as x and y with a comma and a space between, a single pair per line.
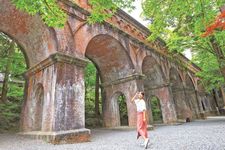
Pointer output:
199, 135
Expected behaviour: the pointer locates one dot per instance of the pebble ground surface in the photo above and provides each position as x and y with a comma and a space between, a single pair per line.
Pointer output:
198, 135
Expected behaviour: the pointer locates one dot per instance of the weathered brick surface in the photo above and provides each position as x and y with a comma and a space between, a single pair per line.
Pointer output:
127, 62
181, 103
37, 41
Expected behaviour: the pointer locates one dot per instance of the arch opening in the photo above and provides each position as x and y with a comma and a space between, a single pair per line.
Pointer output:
192, 97
13, 63
112, 62
123, 110
182, 105
93, 97
120, 108
156, 110
110, 57
153, 82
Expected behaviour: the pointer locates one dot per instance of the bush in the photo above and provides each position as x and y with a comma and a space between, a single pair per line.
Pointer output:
9, 116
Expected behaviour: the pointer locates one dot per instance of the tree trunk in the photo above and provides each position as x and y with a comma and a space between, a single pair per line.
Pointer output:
223, 94
85, 91
97, 113
219, 54
7, 73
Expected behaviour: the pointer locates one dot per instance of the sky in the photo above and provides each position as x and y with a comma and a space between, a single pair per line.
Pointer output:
136, 14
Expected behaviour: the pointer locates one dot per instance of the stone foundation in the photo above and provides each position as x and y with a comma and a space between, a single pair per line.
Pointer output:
61, 137
202, 116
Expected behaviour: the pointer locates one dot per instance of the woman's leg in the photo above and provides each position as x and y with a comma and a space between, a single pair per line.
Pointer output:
142, 129
141, 126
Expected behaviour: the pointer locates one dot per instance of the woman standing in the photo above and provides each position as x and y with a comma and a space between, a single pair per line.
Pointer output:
141, 117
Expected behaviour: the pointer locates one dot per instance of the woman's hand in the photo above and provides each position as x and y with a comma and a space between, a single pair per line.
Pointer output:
144, 119
135, 96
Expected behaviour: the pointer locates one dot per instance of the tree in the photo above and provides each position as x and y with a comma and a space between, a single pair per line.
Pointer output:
92, 86
97, 87
92, 96
49, 11
54, 16
7, 71
218, 24
210, 77
104, 9
182, 23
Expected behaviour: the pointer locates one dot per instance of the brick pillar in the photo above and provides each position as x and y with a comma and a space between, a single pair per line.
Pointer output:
192, 97
164, 94
181, 105
200, 107
128, 86
62, 113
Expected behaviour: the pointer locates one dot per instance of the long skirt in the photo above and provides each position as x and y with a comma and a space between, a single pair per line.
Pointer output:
141, 126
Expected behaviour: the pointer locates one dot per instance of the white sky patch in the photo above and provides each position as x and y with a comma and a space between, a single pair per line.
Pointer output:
188, 53
136, 14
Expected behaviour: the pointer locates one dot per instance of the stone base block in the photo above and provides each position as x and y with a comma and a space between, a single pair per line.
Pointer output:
222, 111
211, 113
181, 120
202, 116
61, 137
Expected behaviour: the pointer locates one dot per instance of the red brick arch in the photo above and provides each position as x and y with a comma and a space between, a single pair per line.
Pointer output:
31, 34
110, 57
153, 71
189, 81
179, 98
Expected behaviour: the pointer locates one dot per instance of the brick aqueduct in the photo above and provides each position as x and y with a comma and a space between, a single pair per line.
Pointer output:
54, 107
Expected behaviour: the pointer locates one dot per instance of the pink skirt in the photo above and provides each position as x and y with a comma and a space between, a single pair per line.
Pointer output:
141, 126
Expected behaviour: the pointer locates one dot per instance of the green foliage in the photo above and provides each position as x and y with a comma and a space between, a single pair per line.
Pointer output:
185, 18
18, 64
90, 75
123, 110
156, 109
90, 78
54, 16
49, 11
104, 9
16, 91
10, 116
211, 77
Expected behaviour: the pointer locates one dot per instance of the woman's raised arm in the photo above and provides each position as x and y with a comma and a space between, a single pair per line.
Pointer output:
134, 97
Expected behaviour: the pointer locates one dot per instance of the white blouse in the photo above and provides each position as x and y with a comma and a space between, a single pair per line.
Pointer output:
140, 104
